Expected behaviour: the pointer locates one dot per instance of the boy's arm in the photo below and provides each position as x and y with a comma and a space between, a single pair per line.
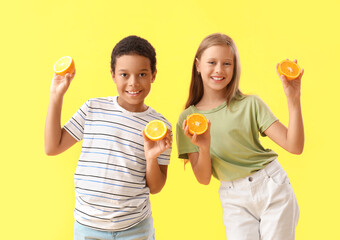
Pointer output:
156, 174
57, 139
291, 138
200, 161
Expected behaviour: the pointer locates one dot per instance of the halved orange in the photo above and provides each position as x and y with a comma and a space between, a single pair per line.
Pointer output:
155, 130
64, 65
197, 123
289, 69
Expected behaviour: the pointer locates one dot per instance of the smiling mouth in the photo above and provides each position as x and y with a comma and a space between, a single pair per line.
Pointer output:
134, 92
217, 78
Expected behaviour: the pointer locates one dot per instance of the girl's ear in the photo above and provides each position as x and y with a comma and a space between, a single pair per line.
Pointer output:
197, 63
154, 76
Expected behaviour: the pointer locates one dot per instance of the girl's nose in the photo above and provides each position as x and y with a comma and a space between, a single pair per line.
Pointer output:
218, 68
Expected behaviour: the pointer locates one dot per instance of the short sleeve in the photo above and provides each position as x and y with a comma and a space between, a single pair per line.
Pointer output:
75, 126
264, 116
184, 145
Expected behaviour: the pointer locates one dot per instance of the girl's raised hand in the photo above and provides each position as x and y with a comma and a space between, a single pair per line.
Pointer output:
201, 141
60, 84
292, 88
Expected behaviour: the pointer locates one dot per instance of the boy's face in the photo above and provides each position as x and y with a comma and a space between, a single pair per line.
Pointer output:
133, 78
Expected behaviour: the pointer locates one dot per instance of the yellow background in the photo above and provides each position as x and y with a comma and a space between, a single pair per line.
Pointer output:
37, 196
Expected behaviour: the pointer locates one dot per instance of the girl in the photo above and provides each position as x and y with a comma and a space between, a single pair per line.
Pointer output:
257, 199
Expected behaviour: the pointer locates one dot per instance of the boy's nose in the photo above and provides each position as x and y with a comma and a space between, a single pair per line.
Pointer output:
133, 80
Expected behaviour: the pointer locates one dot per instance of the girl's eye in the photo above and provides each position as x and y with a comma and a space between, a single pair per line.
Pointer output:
227, 64
211, 62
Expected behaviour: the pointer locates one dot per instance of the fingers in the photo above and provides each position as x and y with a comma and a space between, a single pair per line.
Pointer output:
284, 81
194, 138
185, 128
69, 77
168, 140
169, 135
186, 132
301, 74
184, 124
73, 74
145, 138
282, 77
57, 77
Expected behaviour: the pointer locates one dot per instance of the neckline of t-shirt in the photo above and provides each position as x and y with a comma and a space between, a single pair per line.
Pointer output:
114, 100
224, 104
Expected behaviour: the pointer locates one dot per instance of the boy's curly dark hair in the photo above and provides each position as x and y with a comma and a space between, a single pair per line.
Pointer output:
134, 45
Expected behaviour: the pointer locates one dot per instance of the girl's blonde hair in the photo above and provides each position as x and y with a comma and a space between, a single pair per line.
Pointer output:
196, 86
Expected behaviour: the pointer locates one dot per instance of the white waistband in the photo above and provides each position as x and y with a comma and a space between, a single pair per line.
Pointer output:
263, 173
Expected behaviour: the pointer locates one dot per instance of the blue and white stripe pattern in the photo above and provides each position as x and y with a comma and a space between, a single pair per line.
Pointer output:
110, 184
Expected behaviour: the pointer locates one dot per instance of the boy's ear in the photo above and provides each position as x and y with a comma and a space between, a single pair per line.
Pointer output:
154, 76
197, 63
113, 75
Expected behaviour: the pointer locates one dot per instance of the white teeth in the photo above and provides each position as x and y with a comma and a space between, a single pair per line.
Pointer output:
133, 92
217, 78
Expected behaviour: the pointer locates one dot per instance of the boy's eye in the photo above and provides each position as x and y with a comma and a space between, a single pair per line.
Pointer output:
142, 74
123, 74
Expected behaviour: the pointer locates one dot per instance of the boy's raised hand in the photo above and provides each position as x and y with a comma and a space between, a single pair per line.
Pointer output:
153, 149
201, 141
60, 84
292, 88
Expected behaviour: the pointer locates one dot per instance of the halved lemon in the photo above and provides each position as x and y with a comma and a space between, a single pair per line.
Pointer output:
64, 65
155, 130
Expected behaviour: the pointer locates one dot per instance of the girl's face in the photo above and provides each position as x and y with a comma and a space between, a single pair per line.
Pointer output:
216, 67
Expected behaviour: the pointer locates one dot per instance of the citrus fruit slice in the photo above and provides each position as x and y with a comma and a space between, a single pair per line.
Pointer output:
197, 123
289, 69
155, 130
64, 65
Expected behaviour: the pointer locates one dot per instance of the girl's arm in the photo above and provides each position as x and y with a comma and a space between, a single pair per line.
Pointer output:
156, 174
57, 139
200, 161
291, 138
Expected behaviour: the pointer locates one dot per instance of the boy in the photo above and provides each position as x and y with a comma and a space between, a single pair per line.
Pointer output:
118, 166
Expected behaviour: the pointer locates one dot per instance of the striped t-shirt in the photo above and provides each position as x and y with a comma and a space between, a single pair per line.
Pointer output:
110, 185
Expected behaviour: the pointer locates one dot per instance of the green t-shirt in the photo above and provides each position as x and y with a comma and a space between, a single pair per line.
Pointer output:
235, 150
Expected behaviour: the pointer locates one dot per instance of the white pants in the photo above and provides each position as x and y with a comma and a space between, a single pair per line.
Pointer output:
260, 206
